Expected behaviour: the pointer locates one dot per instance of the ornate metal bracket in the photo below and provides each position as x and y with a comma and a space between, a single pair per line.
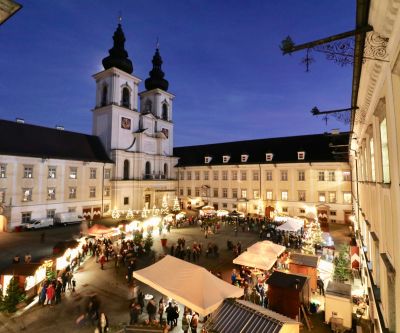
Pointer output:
343, 115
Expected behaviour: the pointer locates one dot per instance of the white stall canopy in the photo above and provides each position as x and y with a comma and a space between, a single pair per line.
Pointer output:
267, 248
255, 260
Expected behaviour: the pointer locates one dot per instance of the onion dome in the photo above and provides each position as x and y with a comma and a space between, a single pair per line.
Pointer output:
156, 79
118, 56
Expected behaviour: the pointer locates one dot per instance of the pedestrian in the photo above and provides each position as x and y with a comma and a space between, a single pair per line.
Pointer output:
161, 308
134, 312
73, 285
186, 321
58, 292
103, 323
176, 313
320, 286
151, 310
50, 292
102, 261
194, 322
170, 314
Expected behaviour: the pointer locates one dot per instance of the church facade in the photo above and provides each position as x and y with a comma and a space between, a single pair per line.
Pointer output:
129, 162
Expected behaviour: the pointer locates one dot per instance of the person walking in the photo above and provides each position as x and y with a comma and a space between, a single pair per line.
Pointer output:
186, 318
161, 308
134, 313
50, 292
320, 286
103, 325
102, 261
170, 315
151, 310
194, 322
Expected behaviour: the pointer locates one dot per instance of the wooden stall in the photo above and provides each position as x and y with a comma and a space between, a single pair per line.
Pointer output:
305, 264
338, 304
293, 288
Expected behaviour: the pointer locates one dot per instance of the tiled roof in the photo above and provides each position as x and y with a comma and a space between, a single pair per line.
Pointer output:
317, 148
304, 259
19, 139
241, 316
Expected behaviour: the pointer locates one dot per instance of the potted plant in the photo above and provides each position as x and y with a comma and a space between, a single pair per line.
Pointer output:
163, 240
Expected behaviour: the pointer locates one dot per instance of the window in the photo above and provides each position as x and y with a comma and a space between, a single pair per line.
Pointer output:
28, 171
284, 209
26, 217
165, 170
385, 151
197, 175
243, 193
147, 169
224, 175
2, 195
347, 197
92, 192
164, 115
284, 195
197, 191
205, 175
225, 159
71, 209
268, 157
244, 158
51, 173
234, 206
3, 170
93, 173
148, 105
189, 191
107, 173
321, 197
243, 175
321, 176
215, 175
234, 193
126, 97
301, 176
332, 213
269, 195
51, 213
215, 193
331, 176
207, 159
346, 176
284, 175
268, 175
26, 194
126, 200
224, 205
234, 175
107, 191
104, 96
256, 194
181, 175
73, 173
106, 208
332, 197
302, 195
302, 211
255, 175
126, 170
301, 155
189, 175
72, 193
51, 193
224, 192
372, 156
181, 191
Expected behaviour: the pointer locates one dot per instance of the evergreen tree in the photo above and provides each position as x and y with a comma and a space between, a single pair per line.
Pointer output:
148, 242
164, 206
15, 294
342, 265
176, 208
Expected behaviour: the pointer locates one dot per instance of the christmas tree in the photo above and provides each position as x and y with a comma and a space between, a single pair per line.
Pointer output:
312, 237
164, 206
15, 294
176, 208
148, 242
342, 265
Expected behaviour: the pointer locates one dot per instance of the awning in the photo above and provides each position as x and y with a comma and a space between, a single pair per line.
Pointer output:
187, 283
265, 248
255, 260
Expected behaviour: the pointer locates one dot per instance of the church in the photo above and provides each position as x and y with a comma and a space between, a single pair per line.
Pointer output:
129, 162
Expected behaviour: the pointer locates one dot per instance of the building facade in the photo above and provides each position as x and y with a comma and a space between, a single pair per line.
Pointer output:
375, 152
294, 175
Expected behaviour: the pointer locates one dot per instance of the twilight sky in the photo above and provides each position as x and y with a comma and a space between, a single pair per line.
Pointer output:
222, 60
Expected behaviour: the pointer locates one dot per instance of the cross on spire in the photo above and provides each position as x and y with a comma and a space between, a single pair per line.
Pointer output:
119, 17
158, 43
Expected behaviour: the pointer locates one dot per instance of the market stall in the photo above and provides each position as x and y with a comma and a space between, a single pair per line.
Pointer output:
188, 284
99, 230
255, 260
338, 305
305, 264
290, 226
267, 247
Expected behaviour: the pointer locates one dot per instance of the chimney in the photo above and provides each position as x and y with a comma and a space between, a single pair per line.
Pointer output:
335, 131
59, 127
20, 120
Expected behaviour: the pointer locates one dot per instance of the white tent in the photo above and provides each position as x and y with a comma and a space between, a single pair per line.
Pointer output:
255, 260
290, 225
266, 247
296, 220
187, 283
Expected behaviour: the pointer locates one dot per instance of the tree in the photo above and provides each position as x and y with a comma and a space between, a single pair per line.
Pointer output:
164, 206
176, 208
15, 294
342, 265
148, 242
137, 238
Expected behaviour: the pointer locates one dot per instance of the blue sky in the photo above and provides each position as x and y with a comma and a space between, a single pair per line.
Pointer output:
222, 60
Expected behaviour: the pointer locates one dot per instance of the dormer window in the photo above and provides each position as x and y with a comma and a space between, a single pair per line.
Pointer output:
244, 158
301, 155
268, 157
207, 159
225, 158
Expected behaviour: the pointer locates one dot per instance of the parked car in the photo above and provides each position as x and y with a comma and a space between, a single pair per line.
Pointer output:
39, 223
67, 218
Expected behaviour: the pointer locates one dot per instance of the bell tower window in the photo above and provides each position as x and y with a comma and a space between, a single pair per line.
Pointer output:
165, 170
148, 106
126, 97
104, 96
165, 111
126, 170
148, 170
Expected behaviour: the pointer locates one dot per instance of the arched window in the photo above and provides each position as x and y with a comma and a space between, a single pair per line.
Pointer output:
148, 170
165, 170
126, 95
126, 169
104, 96
165, 111
148, 106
